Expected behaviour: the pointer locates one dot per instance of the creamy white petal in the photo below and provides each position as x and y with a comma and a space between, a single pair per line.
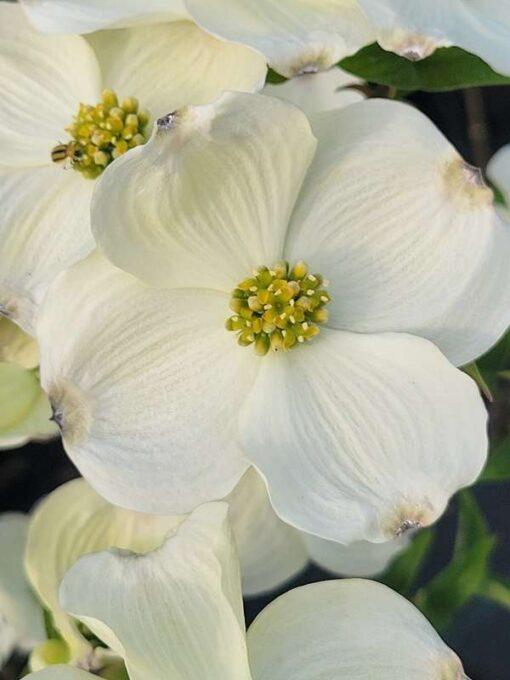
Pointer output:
60, 673
147, 386
44, 228
26, 411
16, 346
270, 551
362, 437
85, 16
294, 35
74, 521
175, 64
352, 629
481, 27
404, 230
357, 559
208, 198
315, 92
18, 605
174, 613
42, 80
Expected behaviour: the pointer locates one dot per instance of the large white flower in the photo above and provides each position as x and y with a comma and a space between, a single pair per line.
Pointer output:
296, 36
414, 29
74, 521
46, 82
176, 614
25, 412
362, 432
86, 16
21, 617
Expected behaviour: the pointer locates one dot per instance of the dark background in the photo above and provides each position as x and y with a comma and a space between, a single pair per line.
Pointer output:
477, 122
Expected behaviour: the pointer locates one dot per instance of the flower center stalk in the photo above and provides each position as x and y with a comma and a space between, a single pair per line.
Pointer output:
278, 308
102, 133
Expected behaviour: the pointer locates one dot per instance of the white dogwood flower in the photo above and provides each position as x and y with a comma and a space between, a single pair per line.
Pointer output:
295, 36
74, 521
414, 29
56, 114
25, 412
86, 16
21, 617
362, 431
177, 613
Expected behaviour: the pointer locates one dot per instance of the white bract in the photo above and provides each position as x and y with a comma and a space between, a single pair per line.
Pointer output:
45, 222
316, 92
176, 614
86, 16
25, 410
414, 28
362, 431
296, 36
74, 521
21, 617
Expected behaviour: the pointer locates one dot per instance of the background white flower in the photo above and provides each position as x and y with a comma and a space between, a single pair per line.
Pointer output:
316, 92
177, 613
85, 16
360, 436
21, 618
296, 36
45, 224
414, 29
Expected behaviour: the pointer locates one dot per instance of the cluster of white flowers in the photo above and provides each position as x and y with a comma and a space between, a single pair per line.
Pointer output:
244, 307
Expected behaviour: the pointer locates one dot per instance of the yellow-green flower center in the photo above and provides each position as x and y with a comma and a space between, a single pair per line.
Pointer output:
278, 307
102, 133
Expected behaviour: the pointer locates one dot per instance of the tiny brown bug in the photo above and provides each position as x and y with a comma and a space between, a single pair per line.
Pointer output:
63, 152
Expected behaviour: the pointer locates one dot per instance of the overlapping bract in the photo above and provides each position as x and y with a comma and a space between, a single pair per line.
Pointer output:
177, 613
44, 79
74, 521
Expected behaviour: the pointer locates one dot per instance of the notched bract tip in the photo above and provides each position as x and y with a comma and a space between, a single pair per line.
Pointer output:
70, 411
408, 525
167, 122
408, 517
412, 46
466, 185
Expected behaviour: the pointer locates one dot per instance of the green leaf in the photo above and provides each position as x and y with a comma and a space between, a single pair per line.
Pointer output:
467, 572
405, 569
274, 78
449, 68
474, 372
472, 525
498, 465
497, 590
498, 359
